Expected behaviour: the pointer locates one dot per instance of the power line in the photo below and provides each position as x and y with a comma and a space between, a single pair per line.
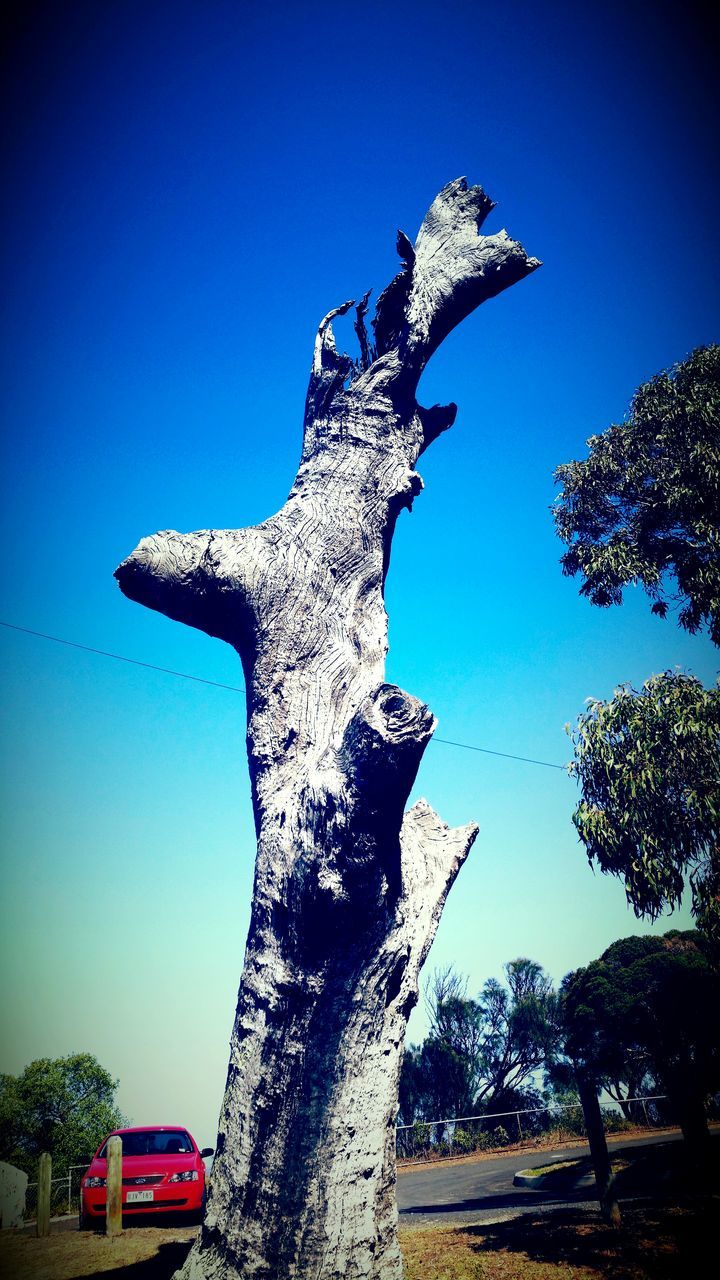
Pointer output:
184, 675
466, 746
119, 657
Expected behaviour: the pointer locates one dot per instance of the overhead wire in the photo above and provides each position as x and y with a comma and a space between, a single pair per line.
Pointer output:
216, 684
119, 657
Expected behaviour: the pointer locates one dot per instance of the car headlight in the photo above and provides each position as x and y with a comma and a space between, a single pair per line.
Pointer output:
190, 1175
95, 1182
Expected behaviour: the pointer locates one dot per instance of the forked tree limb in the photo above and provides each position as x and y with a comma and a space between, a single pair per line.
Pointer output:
348, 892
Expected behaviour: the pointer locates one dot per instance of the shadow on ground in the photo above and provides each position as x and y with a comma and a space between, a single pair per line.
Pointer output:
168, 1259
669, 1210
665, 1242
669, 1228
641, 1172
514, 1199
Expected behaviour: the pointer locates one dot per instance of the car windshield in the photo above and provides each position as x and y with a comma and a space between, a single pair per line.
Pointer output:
154, 1142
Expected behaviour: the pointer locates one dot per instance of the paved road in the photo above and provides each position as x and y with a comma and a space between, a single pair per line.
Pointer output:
483, 1191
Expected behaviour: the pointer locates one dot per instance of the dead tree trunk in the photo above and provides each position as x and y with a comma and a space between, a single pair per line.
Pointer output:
348, 891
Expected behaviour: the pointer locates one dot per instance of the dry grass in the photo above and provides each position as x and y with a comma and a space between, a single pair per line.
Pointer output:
155, 1252
654, 1244
566, 1245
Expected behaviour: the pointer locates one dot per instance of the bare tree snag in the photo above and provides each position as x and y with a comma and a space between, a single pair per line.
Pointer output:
348, 892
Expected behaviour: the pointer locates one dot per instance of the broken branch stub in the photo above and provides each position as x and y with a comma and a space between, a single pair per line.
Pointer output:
348, 891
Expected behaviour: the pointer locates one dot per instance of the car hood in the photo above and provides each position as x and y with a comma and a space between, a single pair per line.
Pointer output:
140, 1166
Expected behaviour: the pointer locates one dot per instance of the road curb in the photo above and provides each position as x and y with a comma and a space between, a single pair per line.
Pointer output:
525, 1178
570, 1174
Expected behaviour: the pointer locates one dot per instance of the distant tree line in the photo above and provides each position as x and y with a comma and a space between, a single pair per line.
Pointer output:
481, 1054
643, 1019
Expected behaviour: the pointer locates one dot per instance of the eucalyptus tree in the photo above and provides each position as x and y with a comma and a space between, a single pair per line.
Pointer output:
644, 506
648, 765
649, 1007
520, 1023
348, 889
481, 1054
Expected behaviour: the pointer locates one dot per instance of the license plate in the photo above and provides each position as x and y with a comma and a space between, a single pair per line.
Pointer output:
139, 1197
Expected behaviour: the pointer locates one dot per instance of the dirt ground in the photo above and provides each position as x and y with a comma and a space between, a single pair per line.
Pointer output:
655, 1243
669, 1232
145, 1253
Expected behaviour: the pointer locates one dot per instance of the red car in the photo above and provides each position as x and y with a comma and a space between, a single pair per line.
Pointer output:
162, 1172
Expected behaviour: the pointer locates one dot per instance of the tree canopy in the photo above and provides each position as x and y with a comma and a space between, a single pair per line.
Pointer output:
648, 1010
63, 1105
644, 507
480, 1053
598, 1032
648, 765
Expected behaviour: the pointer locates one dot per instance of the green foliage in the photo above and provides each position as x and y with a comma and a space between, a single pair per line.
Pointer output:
520, 1021
64, 1105
648, 764
422, 1136
644, 507
434, 1082
613, 1121
480, 1052
648, 1008
500, 1136
599, 1040
465, 1140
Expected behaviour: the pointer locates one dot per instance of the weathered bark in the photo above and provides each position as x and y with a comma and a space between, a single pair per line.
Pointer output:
348, 892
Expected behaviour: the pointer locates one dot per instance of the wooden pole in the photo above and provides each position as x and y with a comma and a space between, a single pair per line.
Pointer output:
113, 1212
42, 1224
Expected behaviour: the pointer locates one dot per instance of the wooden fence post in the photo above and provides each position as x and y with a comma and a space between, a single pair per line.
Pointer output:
113, 1211
42, 1221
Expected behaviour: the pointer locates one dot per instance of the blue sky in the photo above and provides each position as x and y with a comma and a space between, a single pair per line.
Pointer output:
192, 188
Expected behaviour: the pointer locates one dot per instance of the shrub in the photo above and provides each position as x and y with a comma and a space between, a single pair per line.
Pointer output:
500, 1136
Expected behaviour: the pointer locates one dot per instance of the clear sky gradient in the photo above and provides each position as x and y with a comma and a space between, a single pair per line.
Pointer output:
190, 187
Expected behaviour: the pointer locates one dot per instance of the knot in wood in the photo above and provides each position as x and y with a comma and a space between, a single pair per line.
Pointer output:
384, 742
